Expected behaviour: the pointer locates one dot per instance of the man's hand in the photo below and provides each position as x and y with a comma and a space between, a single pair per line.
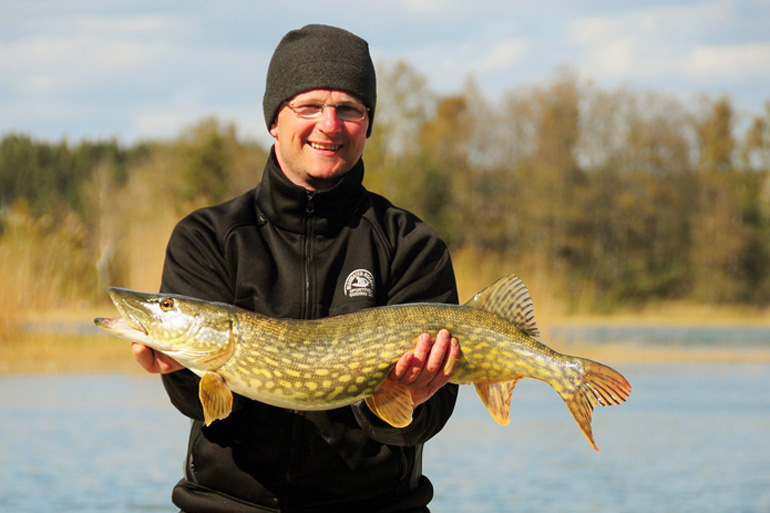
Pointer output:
153, 361
428, 368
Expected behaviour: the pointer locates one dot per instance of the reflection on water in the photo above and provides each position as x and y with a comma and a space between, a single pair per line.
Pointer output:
739, 336
692, 438
109, 443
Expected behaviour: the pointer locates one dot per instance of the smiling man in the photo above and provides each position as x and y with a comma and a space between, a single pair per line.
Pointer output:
308, 242
319, 136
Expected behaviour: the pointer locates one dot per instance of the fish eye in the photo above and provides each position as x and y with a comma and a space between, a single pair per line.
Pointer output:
166, 304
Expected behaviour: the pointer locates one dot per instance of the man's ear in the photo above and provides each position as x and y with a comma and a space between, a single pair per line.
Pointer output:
274, 130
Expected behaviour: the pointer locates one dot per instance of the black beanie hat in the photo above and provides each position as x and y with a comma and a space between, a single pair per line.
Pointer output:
319, 57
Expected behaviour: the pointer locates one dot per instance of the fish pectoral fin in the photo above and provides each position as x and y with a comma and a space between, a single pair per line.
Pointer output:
393, 404
497, 398
216, 398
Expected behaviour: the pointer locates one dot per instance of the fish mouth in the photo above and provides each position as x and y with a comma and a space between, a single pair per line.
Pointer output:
111, 324
120, 326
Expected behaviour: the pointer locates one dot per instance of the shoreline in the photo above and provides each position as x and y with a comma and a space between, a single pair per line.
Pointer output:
41, 353
66, 341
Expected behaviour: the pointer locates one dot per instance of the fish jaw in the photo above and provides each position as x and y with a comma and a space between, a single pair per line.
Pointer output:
122, 328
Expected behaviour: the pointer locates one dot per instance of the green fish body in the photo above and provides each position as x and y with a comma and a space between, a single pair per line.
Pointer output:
336, 361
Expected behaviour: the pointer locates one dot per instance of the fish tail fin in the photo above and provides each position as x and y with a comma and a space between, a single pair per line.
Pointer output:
601, 386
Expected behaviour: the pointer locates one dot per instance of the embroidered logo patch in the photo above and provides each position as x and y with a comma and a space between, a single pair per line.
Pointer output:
360, 283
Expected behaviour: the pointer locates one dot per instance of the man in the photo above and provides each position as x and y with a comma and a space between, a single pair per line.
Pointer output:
308, 242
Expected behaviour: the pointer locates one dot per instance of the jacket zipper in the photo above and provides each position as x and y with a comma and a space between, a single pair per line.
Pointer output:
307, 313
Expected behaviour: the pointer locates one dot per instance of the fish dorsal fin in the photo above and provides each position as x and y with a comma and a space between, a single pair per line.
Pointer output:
509, 298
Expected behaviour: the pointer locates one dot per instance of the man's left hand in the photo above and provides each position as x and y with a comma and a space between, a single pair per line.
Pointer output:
428, 367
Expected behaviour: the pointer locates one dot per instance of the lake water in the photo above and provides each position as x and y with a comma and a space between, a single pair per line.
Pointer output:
692, 438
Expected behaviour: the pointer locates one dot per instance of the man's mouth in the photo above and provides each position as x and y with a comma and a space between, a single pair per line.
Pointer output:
325, 147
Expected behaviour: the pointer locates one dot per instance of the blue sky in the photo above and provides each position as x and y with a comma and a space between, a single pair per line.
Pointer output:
139, 69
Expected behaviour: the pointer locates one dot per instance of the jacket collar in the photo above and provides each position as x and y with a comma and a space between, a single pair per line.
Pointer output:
289, 206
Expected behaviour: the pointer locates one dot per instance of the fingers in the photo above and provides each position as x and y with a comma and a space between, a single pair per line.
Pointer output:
453, 358
429, 366
402, 365
427, 359
152, 361
438, 352
421, 351
145, 357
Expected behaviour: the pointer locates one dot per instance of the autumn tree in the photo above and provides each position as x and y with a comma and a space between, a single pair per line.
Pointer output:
404, 103
717, 228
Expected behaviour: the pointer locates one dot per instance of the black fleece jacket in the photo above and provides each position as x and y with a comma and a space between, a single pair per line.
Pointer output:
286, 252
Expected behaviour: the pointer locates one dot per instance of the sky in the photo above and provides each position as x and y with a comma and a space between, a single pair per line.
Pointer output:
134, 70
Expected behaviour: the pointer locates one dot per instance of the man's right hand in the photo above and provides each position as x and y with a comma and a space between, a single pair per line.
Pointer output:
153, 361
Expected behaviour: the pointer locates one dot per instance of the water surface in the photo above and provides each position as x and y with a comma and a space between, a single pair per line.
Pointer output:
692, 438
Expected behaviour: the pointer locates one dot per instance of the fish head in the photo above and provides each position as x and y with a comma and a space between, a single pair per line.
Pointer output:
198, 334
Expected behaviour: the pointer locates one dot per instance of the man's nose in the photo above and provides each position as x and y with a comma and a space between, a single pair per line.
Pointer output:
329, 120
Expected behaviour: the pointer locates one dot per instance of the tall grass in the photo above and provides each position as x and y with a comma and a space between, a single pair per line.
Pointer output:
43, 264
145, 247
48, 263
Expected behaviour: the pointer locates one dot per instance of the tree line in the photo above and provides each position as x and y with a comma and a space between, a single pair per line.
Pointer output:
620, 197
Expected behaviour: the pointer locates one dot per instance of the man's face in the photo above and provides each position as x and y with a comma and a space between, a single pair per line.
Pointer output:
315, 153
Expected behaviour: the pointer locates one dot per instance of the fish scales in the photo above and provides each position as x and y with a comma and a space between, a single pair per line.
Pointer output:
341, 346
333, 362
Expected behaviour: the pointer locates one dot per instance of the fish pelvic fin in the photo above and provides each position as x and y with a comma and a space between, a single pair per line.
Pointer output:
497, 398
601, 386
215, 397
509, 298
393, 404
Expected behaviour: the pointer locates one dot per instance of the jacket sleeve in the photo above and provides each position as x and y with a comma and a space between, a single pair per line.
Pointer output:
193, 267
422, 272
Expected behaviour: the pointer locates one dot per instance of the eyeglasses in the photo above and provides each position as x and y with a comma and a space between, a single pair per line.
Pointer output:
345, 111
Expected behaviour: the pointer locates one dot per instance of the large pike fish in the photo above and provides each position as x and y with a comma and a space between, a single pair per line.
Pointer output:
333, 362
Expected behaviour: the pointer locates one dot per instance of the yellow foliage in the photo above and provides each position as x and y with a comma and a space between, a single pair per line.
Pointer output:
44, 264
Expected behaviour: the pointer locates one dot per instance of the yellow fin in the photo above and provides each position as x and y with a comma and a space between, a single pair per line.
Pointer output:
216, 398
393, 404
509, 298
601, 386
497, 398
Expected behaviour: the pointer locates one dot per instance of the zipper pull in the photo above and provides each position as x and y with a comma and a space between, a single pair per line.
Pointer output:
310, 207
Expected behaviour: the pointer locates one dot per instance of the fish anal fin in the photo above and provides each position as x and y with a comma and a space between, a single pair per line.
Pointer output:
393, 404
509, 298
215, 397
601, 386
497, 398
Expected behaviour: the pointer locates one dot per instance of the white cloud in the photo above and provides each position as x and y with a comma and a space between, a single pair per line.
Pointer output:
646, 44
123, 26
449, 63
136, 68
82, 52
729, 62
501, 55
167, 122
161, 123
433, 7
